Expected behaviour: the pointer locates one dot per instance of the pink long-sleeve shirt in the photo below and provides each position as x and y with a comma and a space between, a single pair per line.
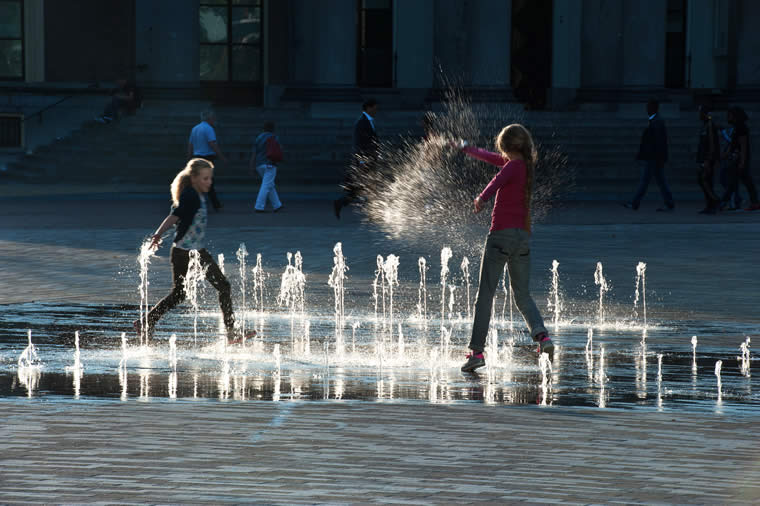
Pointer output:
509, 209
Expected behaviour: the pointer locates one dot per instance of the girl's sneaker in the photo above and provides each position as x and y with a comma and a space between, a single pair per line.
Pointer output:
474, 360
545, 345
237, 337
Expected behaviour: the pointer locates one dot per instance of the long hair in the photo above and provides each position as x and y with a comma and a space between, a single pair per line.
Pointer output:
515, 138
183, 178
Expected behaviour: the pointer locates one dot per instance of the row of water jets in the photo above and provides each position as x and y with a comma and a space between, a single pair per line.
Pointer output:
292, 296
293, 285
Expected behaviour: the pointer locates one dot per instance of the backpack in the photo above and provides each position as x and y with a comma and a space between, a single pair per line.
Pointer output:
273, 150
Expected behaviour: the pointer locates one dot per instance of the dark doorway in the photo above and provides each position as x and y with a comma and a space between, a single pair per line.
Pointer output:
675, 45
531, 71
375, 55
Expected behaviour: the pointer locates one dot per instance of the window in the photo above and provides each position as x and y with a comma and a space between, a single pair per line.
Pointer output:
230, 40
11, 39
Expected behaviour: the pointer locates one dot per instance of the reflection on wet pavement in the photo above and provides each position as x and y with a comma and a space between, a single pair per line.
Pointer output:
618, 365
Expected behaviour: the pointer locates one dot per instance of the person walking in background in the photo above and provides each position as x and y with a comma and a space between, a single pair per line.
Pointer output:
202, 144
708, 157
189, 214
508, 239
739, 157
265, 156
365, 155
734, 200
652, 156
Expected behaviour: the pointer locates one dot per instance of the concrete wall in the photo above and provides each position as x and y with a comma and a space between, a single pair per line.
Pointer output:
602, 43
413, 43
566, 51
166, 42
748, 44
450, 44
88, 40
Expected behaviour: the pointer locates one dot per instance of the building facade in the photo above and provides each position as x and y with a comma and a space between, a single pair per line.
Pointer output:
550, 53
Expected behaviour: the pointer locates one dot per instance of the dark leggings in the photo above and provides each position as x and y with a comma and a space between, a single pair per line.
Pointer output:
736, 175
705, 180
180, 259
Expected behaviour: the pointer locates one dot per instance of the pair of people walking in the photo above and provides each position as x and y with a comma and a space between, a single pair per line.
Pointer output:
266, 154
733, 159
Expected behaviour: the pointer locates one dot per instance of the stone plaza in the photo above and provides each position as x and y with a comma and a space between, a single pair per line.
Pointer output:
66, 247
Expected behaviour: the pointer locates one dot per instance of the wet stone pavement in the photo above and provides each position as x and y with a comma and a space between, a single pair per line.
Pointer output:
378, 412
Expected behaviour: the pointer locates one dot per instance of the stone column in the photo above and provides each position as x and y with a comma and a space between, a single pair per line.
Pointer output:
166, 43
34, 41
413, 43
302, 42
566, 51
335, 43
450, 40
490, 48
747, 44
644, 43
601, 43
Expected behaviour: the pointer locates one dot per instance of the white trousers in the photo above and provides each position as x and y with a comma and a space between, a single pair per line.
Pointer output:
267, 190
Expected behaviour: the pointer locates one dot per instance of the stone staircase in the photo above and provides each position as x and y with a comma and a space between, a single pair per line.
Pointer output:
149, 148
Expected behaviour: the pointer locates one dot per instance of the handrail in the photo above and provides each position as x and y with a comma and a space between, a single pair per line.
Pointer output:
51, 106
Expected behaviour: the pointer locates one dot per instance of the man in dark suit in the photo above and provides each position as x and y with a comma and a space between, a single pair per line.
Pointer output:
653, 153
365, 155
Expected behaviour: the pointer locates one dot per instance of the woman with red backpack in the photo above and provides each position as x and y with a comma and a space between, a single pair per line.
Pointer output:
267, 153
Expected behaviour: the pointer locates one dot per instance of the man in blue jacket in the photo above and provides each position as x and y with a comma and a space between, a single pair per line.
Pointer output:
653, 153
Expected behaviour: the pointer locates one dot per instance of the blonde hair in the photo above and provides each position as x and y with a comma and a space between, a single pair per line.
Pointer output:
183, 178
515, 138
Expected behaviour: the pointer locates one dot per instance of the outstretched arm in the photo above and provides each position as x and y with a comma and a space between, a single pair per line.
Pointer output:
485, 155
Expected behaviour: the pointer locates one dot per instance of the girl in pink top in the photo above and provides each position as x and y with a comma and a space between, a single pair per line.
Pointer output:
508, 240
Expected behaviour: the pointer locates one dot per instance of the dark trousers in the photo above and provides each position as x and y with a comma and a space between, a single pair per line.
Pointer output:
180, 259
651, 168
510, 246
736, 175
705, 179
212, 191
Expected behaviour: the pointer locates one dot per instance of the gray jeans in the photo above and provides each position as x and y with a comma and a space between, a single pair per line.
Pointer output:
510, 246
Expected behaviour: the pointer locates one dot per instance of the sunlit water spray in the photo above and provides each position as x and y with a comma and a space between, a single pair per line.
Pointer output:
718, 367
173, 352
192, 283
379, 297
143, 259
694, 354
445, 256
292, 290
744, 358
465, 266
553, 303
390, 271
427, 186
601, 282
258, 284
545, 366
242, 255
641, 279
590, 354
506, 287
601, 379
336, 281
421, 292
